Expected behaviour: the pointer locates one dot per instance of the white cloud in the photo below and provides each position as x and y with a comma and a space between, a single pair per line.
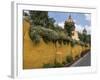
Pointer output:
88, 28
80, 28
87, 17
26, 11
61, 24
75, 21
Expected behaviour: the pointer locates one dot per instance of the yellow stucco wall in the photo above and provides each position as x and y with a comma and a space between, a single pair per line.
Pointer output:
34, 56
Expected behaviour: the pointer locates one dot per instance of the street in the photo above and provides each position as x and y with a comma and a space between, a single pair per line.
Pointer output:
84, 61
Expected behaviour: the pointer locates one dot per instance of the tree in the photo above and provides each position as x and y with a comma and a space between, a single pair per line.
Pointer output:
80, 36
25, 14
50, 23
39, 18
86, 38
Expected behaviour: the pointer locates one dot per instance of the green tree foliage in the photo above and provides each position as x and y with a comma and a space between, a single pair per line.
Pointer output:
50, 23
86, 38
35, 37
69, 27
73, 42
25, 14
48, 35
41, 18
69, 59
55, 65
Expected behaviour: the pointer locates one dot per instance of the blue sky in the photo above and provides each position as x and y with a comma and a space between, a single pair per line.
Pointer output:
82, 20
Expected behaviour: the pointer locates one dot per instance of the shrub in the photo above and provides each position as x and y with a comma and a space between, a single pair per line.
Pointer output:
84, 52
55, 65
68, 40
47, 34
64, 63
48, 65
64, 41
69, 59
62, 37
60, 41
58, 65
81, 43
50, 35
73, 42
86, 45
76, 57
35, 37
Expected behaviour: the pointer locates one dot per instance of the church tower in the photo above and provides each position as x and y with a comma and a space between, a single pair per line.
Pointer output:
70, 28
84, 31
70, 22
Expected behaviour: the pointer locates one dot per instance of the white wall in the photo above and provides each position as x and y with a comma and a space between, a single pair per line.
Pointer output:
5, 39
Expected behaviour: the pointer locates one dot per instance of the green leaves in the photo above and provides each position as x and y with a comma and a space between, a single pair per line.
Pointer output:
48, 65
69, 27
69, 59
55, 65
86, 38
38, 32
48, 35
41, 18
73, 42
35, 37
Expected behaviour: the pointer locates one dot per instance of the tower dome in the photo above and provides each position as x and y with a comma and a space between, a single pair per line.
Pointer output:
84, 31
70, 19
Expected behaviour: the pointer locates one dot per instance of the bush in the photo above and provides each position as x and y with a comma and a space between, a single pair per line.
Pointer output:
69, 59
68, 40
35, 37
64, 63
62, 37
64, 42
58, 65
76, 57
49, 35
84, 52
48, 65
73, 43
86, 45
55, 65
81, 43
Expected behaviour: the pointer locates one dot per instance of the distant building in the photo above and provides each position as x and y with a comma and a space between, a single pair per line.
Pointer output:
74, 34
84, 31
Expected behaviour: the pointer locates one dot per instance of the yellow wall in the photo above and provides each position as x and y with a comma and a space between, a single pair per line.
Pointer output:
34, 56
